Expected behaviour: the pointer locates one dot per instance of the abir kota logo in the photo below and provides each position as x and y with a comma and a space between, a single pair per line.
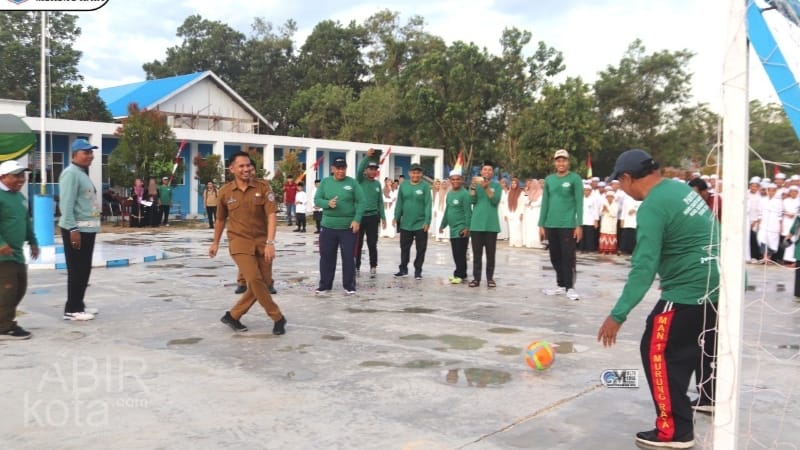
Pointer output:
620, 378
52, 5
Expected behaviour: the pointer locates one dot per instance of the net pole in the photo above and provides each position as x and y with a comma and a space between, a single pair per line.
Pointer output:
735, 153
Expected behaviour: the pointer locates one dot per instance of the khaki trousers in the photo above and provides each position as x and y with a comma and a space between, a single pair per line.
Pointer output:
258, 274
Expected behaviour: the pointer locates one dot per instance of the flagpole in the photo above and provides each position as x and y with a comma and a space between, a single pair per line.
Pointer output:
44, 210
42, 108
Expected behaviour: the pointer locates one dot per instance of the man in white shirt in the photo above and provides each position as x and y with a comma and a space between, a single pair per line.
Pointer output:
754, 218
591, 220
300, 202
769, 232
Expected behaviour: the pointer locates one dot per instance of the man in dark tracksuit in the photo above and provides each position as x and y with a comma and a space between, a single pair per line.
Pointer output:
675, 240
342, 203
374, 214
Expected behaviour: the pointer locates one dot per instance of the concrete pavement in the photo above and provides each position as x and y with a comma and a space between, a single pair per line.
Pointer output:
403, 364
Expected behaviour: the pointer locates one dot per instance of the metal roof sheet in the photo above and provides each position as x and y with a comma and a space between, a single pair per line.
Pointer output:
145, 93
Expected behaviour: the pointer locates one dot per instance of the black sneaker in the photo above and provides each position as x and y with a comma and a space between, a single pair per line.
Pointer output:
240, 289
296, 230
228, 320
15, 334
272, 290
649, 439
418, 276
401, 274
280, 326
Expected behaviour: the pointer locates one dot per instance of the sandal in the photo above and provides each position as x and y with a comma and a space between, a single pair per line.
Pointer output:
474, 283
491, 284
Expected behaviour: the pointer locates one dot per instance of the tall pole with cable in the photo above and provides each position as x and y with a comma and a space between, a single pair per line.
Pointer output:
43, 204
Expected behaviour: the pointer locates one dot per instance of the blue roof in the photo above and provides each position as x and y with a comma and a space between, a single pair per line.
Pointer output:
144, 93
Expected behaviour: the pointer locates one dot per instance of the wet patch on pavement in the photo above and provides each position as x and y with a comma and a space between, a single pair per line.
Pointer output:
569, 347
375, 364
167, 266
455, 342
504, 330
329, 337
418, 310
474, 377
299, 349
421, 364
363, 310
184, 341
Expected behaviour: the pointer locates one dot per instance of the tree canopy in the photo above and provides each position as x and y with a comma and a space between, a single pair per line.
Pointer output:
388, 82
20, 41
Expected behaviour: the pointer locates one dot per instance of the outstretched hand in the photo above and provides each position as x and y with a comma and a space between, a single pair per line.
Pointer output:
607, 334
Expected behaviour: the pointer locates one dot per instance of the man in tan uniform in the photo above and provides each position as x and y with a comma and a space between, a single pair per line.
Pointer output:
249, 205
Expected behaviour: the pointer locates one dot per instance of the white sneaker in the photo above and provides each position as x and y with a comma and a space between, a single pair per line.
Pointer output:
573, 295
554, 291
92, 311
82, 316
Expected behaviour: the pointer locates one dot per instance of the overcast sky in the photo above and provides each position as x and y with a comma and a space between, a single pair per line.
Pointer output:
592, 34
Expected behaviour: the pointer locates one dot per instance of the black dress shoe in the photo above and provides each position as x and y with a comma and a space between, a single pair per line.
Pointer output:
240, 289
280, 326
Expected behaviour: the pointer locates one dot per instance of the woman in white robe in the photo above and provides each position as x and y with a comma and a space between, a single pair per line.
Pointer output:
389, 197
514, 210
530, 217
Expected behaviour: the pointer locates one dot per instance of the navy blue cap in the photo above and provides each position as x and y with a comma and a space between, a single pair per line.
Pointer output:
633, 161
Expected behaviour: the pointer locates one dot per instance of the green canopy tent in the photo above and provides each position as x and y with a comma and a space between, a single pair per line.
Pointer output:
16, 138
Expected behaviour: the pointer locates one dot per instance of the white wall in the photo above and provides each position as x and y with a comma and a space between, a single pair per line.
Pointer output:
96, 131
204, 101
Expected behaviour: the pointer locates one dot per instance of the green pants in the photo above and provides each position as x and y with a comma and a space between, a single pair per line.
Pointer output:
13, 283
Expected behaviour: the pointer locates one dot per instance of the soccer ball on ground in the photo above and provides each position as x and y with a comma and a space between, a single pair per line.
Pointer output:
539, 355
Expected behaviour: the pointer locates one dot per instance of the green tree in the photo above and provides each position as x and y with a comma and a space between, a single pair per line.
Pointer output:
84, 104
319, 111
146, 148
20, 41
207, 45
269, 83
391, 47
449, 97
772, 139
565, 117
374, 117
690, 144
642, 97
520, 79
332, 55
208, 168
